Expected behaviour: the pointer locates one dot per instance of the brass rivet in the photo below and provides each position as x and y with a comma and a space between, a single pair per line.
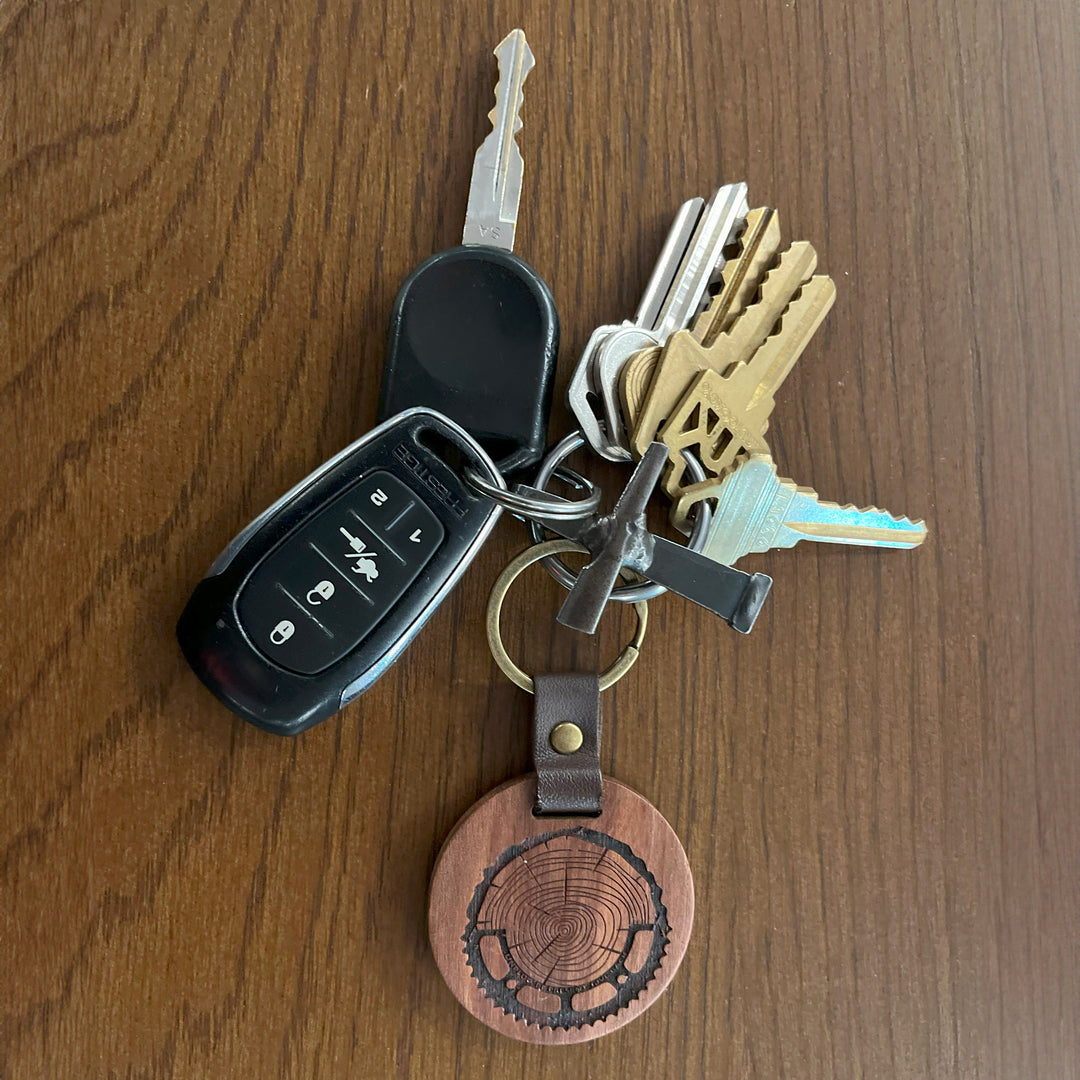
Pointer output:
565, 738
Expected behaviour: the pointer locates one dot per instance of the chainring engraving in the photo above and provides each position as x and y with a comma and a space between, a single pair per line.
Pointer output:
566, 928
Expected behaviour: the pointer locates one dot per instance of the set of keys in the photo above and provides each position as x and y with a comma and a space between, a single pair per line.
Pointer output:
692, 382
286, 628
707, 389
573, 926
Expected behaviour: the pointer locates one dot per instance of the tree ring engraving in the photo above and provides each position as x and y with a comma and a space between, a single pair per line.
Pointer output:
573, 924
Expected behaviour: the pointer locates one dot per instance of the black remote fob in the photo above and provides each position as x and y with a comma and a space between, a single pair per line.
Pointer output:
309, 604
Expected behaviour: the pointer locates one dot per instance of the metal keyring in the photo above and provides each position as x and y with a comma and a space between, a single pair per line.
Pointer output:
625, 594
499, 590
553, 507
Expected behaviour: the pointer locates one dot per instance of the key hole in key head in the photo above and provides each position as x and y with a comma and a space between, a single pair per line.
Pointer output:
722, 444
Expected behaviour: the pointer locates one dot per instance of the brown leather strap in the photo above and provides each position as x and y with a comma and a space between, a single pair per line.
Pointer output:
567, 783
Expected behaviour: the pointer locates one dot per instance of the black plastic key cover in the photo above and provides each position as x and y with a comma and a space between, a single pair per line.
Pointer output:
474, 334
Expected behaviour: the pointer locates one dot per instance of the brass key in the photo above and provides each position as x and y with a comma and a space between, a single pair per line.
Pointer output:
760, 242
685, 357
758, 246
724, 416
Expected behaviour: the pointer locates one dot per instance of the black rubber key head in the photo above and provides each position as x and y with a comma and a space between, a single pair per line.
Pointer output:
474, 334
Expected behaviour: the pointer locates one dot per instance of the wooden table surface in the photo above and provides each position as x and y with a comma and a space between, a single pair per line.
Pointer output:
207, 212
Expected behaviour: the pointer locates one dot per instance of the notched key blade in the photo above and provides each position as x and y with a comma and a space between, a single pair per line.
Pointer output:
867, 526
757, 510
759, 245
495, 189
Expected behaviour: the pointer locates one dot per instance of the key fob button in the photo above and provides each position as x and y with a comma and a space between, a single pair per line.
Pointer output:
314, 583
282, 629
416, 534
356, 551
381, 498
301, 612
397, 516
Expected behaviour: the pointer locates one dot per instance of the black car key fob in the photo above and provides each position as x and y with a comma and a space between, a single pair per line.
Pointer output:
309, 604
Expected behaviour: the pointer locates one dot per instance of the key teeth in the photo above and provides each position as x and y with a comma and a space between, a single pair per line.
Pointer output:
791, 252
901, 519
755, 251
735, 369
505, 52
811, 493
770, 216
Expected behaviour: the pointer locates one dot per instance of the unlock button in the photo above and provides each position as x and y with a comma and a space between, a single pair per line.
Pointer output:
320, 592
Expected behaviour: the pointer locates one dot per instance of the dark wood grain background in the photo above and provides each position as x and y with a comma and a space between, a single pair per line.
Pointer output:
207, 211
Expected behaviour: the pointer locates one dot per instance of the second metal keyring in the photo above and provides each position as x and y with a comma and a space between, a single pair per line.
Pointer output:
626, 594
527, 505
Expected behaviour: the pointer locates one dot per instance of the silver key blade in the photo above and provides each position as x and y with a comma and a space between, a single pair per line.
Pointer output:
667, 265
703, 258
757, 511
495, 189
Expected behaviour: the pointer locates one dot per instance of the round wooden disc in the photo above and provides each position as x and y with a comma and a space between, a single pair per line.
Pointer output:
559, 930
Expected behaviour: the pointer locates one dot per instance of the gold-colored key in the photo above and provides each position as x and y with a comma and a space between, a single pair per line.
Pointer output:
634, 380
705, 422
758, 245
684, 357
723, 417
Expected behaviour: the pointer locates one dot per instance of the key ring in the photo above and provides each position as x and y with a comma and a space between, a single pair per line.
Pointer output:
625, 594
609, 676
552, 507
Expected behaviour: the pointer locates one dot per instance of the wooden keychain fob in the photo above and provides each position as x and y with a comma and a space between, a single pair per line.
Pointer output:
562, 902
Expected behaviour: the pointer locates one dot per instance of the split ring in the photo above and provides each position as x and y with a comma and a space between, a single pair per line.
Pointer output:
550, 507
608, 677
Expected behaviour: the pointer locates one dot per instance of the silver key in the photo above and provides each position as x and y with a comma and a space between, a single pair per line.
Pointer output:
583, 392
757, 511
691, 258
495, 189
